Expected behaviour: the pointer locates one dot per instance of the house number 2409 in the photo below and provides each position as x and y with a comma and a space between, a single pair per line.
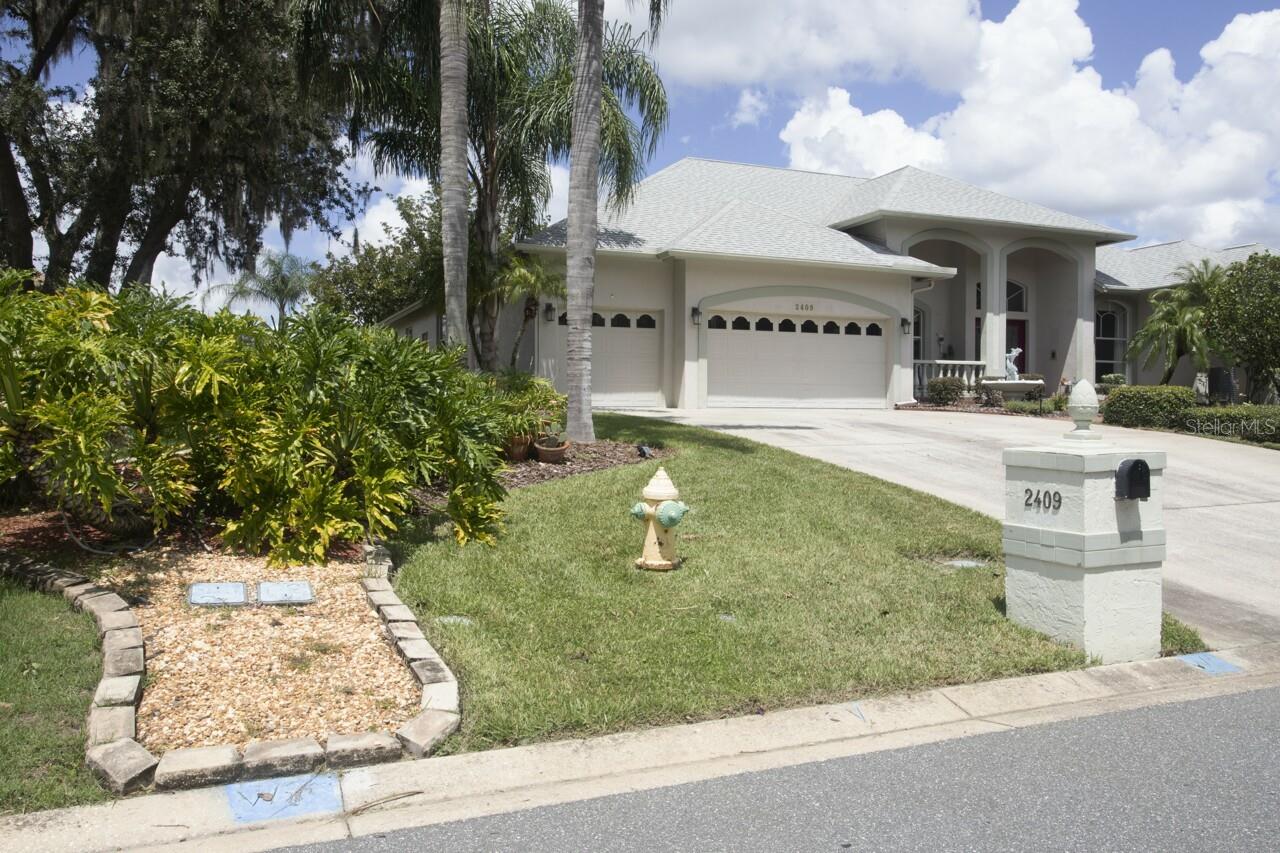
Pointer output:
1043, 500
804, 306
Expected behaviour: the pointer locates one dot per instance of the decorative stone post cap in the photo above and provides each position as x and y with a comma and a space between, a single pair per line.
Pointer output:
660, 488
1082, 406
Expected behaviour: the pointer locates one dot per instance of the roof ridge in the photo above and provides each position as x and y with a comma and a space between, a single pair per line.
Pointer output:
702, 223
774, 168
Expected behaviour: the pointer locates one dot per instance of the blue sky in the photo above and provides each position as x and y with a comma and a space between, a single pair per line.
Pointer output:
1155, 116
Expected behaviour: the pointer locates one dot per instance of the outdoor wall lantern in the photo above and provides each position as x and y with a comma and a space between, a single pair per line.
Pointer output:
695, 314
906, 325
549, 312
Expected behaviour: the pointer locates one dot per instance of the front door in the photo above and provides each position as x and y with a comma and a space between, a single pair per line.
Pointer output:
1015, 335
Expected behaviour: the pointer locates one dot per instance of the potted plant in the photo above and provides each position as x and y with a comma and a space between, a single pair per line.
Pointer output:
551, 446
520, 427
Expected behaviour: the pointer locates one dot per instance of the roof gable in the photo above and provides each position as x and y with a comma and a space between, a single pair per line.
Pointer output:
910, 191
1156, 266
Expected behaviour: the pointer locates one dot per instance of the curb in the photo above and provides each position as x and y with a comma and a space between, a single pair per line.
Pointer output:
386, 797
124, 766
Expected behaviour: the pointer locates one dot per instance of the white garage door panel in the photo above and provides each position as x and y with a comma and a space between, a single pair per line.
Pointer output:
626, 364
759, 368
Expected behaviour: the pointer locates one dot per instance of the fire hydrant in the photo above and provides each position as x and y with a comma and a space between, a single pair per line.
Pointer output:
661, 511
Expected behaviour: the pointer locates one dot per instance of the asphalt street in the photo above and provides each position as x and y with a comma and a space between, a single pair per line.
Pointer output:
1202, 775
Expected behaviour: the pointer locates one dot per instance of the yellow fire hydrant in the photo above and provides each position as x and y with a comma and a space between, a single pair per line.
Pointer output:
661, 510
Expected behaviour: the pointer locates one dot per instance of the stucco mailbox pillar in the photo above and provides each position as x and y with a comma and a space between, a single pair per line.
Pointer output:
1084, 540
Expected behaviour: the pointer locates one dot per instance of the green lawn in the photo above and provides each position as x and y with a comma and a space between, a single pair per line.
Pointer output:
49, 668
803, 583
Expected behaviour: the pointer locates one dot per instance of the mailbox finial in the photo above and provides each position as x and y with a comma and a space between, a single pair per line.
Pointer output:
1082, 405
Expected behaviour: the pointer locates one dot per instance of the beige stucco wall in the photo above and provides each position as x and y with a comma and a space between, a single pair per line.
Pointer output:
424, 322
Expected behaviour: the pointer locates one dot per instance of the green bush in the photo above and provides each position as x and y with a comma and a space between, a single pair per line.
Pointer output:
1252, 423
1161, 406
1058, 402
988, 396
1114, 379
131, 412
945, 390
1026, 407
529, 405
1105, 388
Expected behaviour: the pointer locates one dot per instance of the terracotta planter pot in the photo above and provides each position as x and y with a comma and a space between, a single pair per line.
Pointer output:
518, 447
551, 455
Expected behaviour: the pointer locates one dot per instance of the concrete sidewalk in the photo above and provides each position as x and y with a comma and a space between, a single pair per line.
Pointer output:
328, 807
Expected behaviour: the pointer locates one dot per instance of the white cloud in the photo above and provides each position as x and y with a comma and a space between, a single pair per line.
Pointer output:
752, 106
558, 205
728, 42
1194, 159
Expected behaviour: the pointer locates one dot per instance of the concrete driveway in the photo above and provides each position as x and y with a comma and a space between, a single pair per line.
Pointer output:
1222, 500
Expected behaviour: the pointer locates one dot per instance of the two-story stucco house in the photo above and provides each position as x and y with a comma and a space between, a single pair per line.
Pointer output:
726, 284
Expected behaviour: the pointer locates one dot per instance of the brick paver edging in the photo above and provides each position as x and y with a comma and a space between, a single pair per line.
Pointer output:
123, 765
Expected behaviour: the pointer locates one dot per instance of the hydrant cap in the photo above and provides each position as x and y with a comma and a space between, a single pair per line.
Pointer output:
639, 511
670, 513
660, 488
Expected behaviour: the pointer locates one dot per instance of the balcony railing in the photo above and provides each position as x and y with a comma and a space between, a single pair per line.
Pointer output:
967, 371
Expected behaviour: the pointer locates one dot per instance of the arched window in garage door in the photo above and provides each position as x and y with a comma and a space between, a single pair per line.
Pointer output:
620, 321
809, 327
873, 329
831, 327
597, 320
741, 324
787, 326
764, 324
852, 329
717, 322
644, 321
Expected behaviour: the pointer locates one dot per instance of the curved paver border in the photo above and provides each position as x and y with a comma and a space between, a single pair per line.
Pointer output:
123, 765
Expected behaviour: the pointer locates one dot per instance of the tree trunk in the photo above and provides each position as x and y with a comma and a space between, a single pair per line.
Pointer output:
529, 316
453, 167
15, 216
584, 183
160, 224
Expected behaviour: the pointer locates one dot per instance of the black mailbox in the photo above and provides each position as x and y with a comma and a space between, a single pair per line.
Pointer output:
1133, 480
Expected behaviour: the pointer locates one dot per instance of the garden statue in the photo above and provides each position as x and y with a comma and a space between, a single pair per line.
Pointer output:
1010, 364
661, 510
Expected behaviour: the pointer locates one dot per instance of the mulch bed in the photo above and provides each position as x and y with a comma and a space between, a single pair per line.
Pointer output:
981, 410
579, 459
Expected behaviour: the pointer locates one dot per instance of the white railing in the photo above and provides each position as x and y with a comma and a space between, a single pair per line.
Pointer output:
967, 371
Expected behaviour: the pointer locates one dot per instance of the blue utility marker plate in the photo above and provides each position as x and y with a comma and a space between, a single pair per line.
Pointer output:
285, 592
217, 594
1210, 663
284, 797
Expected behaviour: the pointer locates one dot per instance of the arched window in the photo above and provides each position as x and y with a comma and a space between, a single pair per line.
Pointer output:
717, 322
741, 324
1110, 338
852, 329
564, 319
645, 321
786, 326
831, 327
620, 321
1017, 296
917, 334
597, 320
873, 329
764, 324
809, 327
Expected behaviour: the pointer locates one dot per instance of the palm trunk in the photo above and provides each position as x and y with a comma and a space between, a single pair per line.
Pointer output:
529, 316
453, 167
584, 182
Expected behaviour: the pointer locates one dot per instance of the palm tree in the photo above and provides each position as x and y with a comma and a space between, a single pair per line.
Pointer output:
527, 277
583, 225
1176, 327
456, 201
281, 280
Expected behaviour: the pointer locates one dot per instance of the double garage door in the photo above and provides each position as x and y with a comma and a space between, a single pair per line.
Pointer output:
626, 359
819, 362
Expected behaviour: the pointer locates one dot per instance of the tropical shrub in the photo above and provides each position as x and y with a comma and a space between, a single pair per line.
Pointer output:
528, 404
1161, 406
945, 390
989, 396
1114, 379
1243, 318
1025, 407
131, 412
1035, 393
1252, 423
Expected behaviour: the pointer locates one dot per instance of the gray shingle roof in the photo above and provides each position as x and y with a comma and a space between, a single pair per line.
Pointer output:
676, 210
743, 228
1154, 267
914, 192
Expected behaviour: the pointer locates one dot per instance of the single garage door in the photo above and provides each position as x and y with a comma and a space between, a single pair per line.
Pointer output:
626, 359
821, 362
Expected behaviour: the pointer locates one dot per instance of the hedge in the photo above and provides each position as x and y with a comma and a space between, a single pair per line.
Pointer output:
945, 390
1252, 423
1161, 406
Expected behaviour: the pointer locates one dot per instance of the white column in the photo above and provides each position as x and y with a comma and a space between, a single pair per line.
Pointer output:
994, 305
1083, 342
